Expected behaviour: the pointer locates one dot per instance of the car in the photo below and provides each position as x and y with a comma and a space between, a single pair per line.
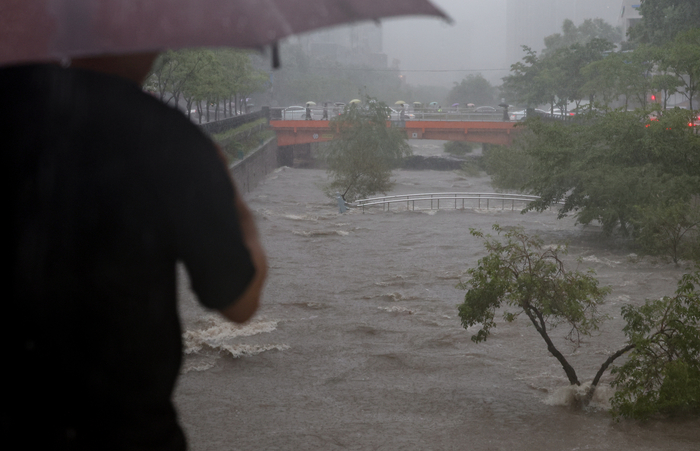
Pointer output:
695, 121
559, 113
294, 113
486, 109
395, 115
518, 115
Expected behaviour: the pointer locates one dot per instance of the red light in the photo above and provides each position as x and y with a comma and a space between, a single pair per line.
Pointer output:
653, 97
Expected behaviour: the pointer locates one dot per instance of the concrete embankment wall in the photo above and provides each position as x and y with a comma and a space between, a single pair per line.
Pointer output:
251, 170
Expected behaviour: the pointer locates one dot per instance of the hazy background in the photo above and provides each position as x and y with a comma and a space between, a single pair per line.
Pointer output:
485, 37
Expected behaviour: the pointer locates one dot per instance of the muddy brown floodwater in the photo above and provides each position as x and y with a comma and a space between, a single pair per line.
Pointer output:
358, 344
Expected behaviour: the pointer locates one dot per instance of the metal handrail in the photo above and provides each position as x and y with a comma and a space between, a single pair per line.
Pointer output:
411, 199
467, 115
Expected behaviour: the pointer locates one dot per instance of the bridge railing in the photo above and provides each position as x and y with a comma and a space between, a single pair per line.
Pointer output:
223, 125
418, 115
449, 199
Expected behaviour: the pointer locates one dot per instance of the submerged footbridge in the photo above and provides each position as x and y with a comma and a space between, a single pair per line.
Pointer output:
451, 200
291, 132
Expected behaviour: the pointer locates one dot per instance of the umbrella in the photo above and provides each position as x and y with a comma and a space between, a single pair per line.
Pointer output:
355, 101
417, 103
400, 102
433, 103
455, 104
51, 30
470, 104
310, 103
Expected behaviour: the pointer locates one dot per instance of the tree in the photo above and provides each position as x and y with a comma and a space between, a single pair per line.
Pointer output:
603, 167
669, 225
662, 20
555, 78
523, 277
590, 29
621, 74
662, 373
361, 157
174, 71
526, 84
472, 89
682, 58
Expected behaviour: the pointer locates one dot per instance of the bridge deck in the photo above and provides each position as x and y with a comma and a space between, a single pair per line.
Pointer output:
303, 132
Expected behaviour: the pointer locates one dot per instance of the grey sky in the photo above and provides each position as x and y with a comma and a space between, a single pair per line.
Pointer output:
477, 39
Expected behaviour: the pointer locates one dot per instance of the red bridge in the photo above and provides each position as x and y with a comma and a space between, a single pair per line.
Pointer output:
304, 132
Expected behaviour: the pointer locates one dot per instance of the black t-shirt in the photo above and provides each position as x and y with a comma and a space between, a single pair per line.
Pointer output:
109, 188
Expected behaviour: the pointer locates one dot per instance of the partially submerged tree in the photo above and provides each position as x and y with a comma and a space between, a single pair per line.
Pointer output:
364, 152
521, 276
662, 373
608, 168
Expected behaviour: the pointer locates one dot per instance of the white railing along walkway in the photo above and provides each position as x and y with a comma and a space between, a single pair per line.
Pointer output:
454, 200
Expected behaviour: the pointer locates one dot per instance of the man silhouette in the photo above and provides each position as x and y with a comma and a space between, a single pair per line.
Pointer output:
109, 189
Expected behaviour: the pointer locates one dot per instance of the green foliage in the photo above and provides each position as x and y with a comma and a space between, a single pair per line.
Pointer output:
556, 77
590, 29
669, 227
522, 276
472, 89
459, 148
609, 167
238, 130
625, 75
361, 157
662, 373
203, 76
662, 20
237, 149
471, 168
519, 275
510, 167
681, 57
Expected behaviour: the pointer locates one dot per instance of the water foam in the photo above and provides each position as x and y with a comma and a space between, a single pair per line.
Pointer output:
397, 310
300, 217
604, 261
320, 232
572, 396
216, 334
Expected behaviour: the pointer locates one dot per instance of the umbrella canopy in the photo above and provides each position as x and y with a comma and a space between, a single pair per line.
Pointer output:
400, 102
355, 101
417, 103
433, 103
455, 104
470, 104
51, 30
310, 103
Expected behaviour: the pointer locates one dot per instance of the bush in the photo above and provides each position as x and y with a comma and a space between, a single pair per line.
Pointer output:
459, 148
662, 374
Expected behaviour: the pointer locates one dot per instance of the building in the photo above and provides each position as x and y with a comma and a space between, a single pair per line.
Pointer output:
358, 44
529, 22
629, 15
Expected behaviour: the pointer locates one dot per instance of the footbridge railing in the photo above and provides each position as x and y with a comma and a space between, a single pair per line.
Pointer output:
425, 201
